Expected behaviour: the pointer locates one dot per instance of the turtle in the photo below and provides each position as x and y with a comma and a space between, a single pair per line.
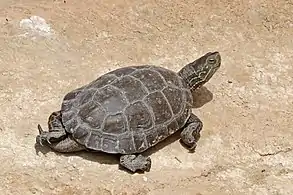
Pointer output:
129, 110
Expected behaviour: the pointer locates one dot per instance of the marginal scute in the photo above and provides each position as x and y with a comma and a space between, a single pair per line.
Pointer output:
188, 97
125, 143
140, 141
72, 95
123, 71
151, 136
142, 67
101, 81
162, 132
181, 119
109, 143
172, 127
70, 98
95, 140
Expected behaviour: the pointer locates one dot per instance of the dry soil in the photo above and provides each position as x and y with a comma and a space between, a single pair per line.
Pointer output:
246, 144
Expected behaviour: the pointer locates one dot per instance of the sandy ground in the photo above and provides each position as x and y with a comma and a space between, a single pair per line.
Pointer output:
246, 144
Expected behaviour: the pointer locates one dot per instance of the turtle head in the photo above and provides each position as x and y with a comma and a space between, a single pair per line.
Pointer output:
200, 71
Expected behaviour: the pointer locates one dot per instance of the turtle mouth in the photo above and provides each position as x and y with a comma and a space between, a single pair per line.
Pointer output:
211, 73
217, 67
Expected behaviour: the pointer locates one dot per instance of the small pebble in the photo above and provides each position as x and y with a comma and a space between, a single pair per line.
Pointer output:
229, 81
33, 190
145, 178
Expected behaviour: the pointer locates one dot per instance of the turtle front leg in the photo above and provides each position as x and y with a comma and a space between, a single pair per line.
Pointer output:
136, 162
191, 133
57, 138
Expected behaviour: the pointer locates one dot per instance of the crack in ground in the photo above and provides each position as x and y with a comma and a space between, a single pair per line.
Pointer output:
272, 153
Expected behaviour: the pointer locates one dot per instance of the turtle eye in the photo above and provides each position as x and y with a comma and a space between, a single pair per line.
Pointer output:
211, 61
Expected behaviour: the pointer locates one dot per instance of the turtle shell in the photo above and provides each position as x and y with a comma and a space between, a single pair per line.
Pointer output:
127, 110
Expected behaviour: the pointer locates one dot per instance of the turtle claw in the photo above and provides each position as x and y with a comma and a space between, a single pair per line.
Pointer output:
41, 137
40, 129
192, 147
47, 137
39, 140
48, 141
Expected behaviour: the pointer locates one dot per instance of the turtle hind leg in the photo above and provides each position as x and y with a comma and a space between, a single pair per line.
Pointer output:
55, 121
67, 145
136, 163
57, 138
56, 130
53, 135
191, 132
